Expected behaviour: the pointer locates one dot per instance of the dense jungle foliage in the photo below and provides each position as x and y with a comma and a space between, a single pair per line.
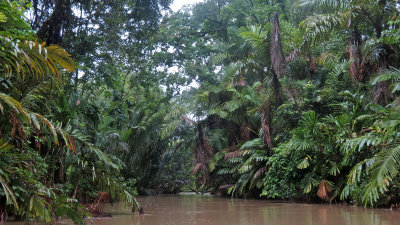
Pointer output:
280, 99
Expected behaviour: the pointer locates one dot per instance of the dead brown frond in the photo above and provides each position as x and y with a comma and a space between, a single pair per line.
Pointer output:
97, 207
382, 92
292, 55
198, 167
357, 66
245, 132
324, 189
188, 120
72, 143
235, 154
17, 126
291, 94
203, 154
260, 171
226, 186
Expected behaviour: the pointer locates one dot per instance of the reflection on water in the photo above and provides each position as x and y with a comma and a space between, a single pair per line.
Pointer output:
188, 210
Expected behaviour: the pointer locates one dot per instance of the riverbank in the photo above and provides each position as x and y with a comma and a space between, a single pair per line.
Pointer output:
343, 203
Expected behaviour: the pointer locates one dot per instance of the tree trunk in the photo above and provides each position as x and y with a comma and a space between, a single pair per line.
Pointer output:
357, 66
276, 51
245, 131
277, 89
276, 55
51, 30
203, 154
266, 130
378, 23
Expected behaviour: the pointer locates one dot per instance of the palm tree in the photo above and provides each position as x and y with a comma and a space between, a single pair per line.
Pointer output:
26, 62
261, 58
380, 144
349, 16
27, 65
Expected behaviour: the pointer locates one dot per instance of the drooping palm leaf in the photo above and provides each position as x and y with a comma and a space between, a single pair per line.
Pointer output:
10, 197
385, 167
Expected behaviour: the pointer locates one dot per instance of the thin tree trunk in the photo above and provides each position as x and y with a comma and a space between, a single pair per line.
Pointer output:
293, 93
276, 55
378, 23
266, 129
75, 192
51, 29
357, 67
203, 154
276, 51
277, 89
244, 131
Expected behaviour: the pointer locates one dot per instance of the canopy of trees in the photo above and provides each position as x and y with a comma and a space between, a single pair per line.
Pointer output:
281, 99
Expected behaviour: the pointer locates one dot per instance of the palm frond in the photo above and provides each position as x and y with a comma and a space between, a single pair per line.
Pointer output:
10, 197
305, 163
393, 74
113, 187
385, 167
34, 118
32, 58
255, 35
330, 3
234, 154
308, 182
254, 143
318, 27
326, 59
300, 141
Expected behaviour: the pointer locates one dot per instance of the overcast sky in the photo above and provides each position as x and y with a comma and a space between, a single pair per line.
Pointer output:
177, 4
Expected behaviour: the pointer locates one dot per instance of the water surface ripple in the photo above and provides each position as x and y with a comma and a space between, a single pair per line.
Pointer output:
190, 210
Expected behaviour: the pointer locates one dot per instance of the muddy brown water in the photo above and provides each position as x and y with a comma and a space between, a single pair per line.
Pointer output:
198, 210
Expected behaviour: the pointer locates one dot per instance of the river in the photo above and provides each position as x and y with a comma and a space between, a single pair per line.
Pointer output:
190, 210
